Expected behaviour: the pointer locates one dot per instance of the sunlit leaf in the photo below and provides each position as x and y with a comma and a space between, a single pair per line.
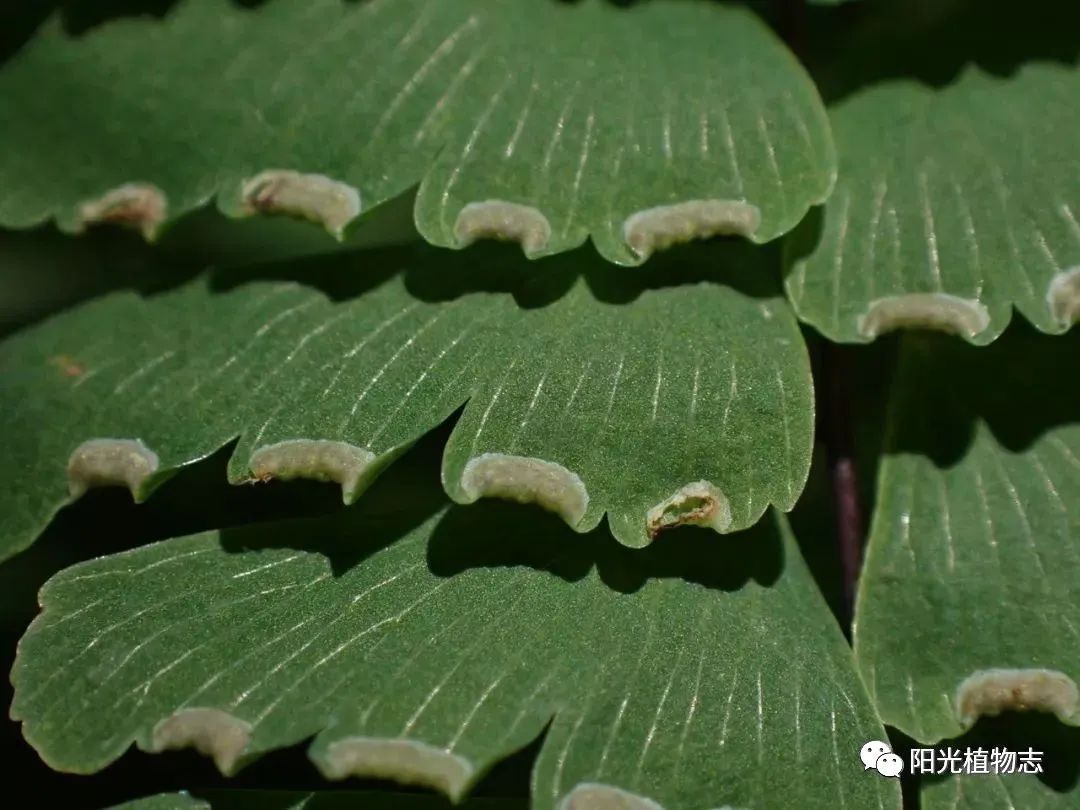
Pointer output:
590, 391
426, 646
969, 603
954, 205
164, 801
511, 127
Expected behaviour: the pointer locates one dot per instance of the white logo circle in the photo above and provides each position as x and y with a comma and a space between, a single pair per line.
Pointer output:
878, 755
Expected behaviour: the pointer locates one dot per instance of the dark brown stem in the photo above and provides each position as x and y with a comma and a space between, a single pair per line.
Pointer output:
843, 472
835, 421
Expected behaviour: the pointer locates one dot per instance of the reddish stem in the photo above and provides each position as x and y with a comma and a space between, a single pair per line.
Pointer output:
843, 471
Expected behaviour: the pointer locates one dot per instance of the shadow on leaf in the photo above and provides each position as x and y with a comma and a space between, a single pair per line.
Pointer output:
1059, 745
932, 41
437, 275
495, 534
945, 388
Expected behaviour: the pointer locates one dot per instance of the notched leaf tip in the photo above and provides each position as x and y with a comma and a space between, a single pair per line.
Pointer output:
666, 225
696, 504
990, 692
109, 463
314, 197
211, 732
1063, 296
408, 762
505, 221
317, 459
940, 311
526, 480
594, 796
141, 206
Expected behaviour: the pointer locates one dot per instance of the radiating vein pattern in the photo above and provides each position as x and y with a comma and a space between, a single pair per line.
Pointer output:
322, 108
969, 602
953, 205
586, 392
457, 639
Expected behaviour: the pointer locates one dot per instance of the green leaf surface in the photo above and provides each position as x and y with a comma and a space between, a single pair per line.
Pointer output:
427, 644
478, 101
313, 800
181, 800
953, 205
972, 565
1013, 746
588, 391
993, 792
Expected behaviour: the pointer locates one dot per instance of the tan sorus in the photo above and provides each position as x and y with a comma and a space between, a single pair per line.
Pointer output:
505, 221
316, 459
697, 504
408, 762
211, 732
657, 228
313, 197
140, 206
110, 463
526, 480
938, 311
1063, 296
990, 692
595, 796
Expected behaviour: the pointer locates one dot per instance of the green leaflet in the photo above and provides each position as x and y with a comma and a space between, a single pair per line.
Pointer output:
953, 205
1056, 749
319, 800
165, 801
589, 391
426, 645
481, 102
983, 792
971, 569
